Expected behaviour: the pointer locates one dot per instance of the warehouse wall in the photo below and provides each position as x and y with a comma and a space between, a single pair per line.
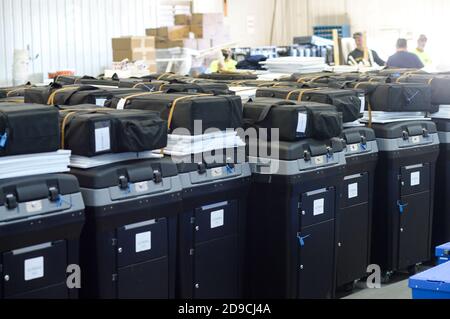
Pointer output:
73, 34
384, 21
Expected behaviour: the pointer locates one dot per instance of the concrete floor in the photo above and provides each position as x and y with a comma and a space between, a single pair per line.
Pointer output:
397, 288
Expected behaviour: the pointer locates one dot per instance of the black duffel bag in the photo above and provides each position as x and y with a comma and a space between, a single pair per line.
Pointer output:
89, 131
205, 88
295, 121
440, 86
55, 94
397, 97
347, 102
28, 129
14, 91
228, 76
87, 80
181, 110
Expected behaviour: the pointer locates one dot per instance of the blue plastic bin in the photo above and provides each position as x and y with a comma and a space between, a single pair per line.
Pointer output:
443, 253
432, 284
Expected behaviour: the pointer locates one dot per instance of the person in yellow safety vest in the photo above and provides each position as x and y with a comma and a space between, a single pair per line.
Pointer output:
223, 64
420, 50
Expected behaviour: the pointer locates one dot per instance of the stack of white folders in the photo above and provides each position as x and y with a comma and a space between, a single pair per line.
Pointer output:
392, 117
83, 162
34, 164
182, 145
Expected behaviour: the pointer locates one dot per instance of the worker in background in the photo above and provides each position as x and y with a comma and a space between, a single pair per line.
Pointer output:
404, 59
357, 56
420, 50
224, 64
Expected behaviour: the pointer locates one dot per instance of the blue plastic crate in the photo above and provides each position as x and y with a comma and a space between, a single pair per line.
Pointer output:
443, 253
432, 284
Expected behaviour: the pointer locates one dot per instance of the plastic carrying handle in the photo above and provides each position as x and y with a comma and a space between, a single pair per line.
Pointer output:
301, 240
401, 207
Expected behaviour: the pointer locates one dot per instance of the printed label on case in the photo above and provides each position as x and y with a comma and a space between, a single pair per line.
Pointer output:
217, 172
353, 190
143, 242
217, 219
302, 122
141, 187
34, 206
319, 207
34, 268
415, 178
102, 139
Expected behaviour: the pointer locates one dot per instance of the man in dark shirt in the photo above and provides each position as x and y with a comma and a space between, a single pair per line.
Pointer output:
404, 59
357, 55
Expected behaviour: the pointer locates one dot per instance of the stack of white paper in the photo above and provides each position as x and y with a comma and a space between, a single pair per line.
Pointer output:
83, 162
246, 93
444, 113
182, 145
391, 117
34, 164
295, 65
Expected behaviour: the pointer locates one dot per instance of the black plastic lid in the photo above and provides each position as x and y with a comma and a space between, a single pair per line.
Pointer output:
396, 130
135, 171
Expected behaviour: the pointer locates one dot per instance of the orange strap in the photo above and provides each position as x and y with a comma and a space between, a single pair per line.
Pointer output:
176, 101
302, 79
370, 115
51, 98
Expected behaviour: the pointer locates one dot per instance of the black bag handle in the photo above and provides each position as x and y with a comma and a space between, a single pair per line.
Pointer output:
266, 110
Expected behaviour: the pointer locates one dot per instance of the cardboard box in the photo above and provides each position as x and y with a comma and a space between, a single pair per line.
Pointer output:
131, 43
205, 31
152, 67
207, 18
165, 44
153, 32
134, 55
171, 33
182, 19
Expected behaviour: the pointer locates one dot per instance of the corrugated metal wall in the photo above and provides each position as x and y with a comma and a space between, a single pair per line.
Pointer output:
73, 34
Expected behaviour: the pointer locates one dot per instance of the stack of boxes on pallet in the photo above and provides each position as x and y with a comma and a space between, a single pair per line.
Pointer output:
135, 49
198, 32
177, 212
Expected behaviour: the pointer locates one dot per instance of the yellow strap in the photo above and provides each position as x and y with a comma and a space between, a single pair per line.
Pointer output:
237, 83
126, 98
430, 81
370, 115
51, 98
300, 93
14, 91
141, 83
302, 79
266, 84
65, 121
163, 75
176, 101
359, 83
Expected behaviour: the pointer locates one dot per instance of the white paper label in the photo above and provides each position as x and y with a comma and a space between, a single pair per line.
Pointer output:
319, 206
363, 103
319, 160
353, 147
121, 104
302, 122
217, 172
415, 178
353, 190
415, 139
100, 102
34, 206
141, 187
102, 139
34, 268
143, 242
217, 219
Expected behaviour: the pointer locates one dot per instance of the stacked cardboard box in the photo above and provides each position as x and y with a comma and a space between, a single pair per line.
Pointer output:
198, 32
135, 48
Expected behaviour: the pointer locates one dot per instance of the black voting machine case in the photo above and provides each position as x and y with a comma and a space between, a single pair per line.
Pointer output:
291, 222
404, 194
129, 240
41, 218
